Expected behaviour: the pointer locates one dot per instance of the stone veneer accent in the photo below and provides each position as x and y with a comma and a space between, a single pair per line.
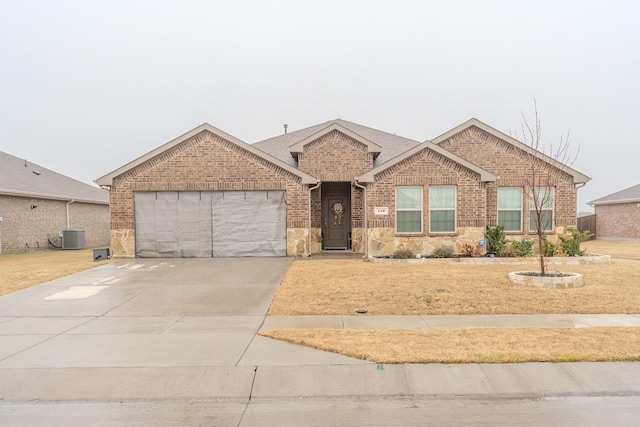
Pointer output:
297, 241
123, 243
384, 241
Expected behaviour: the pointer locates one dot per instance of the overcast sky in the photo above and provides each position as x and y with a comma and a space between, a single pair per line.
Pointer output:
87, 86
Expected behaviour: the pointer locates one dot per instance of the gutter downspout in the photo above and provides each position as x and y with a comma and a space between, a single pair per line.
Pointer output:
309, 232
366, 215
68, 203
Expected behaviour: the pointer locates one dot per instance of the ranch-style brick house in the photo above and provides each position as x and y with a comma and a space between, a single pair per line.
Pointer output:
336, 186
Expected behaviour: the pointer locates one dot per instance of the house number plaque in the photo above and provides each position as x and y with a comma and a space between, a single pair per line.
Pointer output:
381, 210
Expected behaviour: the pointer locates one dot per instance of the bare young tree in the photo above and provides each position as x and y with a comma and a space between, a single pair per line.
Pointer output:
544, 164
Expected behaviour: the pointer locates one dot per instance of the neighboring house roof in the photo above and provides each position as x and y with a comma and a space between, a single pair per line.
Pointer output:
577, 176
19, 177
484, 174
108, 179
628, 195
388, 145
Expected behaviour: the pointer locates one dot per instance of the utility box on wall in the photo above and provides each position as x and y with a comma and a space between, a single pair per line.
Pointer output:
73, 239
100, 254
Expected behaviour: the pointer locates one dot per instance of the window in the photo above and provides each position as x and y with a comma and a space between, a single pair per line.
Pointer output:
409, 209
510, 208
442, 209
544, 199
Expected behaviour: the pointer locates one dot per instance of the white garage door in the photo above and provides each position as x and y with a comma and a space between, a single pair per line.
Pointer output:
197, 224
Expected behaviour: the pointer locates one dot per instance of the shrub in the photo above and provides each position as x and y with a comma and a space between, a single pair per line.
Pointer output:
496, 241
474, 249
509, 251
443, 253
403, 254
522, 247
551, 249
571, 246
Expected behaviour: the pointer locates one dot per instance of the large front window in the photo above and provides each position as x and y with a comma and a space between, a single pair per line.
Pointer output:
510, 208
542, 201
442, 209
409, 209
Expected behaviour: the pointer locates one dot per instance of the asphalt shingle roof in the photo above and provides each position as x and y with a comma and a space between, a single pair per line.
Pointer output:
628, 195
392, 145
19, 177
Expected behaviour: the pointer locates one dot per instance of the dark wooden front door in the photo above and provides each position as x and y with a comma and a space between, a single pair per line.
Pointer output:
336, 215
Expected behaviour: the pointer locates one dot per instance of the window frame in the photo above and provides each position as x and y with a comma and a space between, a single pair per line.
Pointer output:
520, 209
419, 209
532, 209
447, 209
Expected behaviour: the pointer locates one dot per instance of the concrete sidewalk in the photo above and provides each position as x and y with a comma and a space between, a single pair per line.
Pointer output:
452, 321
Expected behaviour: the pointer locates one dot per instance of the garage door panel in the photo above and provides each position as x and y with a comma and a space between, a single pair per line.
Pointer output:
205, 224
249, 224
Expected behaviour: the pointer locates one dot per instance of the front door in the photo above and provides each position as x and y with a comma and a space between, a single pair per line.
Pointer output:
336, 215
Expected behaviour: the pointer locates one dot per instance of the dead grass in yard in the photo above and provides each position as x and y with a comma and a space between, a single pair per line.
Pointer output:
335, 287
625, 249
472, 345
341, 287
23, 270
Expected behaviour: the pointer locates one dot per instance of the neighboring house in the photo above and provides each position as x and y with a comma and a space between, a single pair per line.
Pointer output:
618, 214
36, 204
334, 186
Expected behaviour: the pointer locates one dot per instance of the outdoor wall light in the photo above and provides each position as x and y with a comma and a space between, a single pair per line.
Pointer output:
32, 206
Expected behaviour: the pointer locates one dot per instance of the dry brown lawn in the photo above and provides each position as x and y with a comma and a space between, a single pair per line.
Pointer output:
615, 248
341, 287
334, 287
22, 270
472, 345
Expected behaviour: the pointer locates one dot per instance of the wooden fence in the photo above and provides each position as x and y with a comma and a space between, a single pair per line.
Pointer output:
588, 223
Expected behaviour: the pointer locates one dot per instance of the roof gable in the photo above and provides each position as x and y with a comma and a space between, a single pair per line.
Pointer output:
485, 175
21, 178
107, 180
390, 144
628, 195
298, 147
577, 176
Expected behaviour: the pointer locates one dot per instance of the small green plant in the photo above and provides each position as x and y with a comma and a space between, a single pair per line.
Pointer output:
403, 254
571, 245
509, 251
548, 248
443, 253
496, 241
522, 247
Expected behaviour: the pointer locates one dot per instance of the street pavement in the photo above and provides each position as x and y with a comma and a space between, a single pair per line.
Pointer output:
149, 342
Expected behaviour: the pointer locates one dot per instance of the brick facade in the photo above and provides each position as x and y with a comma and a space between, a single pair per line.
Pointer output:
24, 228
512, 167
618, 221
206, 161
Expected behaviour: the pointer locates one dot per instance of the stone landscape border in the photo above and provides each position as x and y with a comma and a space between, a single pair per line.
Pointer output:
590, 259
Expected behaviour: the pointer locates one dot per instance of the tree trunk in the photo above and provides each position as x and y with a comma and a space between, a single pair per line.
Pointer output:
541, 250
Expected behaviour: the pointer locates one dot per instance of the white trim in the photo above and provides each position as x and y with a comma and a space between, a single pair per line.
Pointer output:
455, 209
521, 209
421, 209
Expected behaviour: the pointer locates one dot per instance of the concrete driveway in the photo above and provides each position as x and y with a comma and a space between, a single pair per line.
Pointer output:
150, 313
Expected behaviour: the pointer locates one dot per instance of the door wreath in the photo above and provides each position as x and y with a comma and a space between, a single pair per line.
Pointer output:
338, 211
